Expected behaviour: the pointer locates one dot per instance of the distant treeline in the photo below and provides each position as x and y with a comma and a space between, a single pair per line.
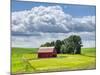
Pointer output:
71, 45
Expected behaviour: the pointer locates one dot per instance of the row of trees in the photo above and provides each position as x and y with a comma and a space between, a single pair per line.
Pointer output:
71, 45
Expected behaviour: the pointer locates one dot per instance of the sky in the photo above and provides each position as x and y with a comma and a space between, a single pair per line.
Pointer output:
34, 23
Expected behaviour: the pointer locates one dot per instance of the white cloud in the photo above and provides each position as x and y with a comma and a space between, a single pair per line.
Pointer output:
40, 19
50, 19
31, 28
85, 23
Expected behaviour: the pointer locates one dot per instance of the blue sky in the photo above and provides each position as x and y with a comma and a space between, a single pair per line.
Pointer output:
74, 10
34, 23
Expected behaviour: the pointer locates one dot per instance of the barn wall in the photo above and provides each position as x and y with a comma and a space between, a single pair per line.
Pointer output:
46, 55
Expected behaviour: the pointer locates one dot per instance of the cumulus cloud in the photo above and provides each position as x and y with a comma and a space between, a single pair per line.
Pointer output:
49, 19
85, 23
31, 28
40, 19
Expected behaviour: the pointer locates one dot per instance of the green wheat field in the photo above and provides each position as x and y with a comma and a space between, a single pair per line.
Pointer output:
24, 60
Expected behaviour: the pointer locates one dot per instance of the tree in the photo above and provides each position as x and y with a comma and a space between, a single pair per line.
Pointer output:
47, 44
52, 43
73, 44
63, 49
58, 44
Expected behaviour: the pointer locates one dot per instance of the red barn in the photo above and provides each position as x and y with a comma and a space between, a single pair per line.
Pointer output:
47, 52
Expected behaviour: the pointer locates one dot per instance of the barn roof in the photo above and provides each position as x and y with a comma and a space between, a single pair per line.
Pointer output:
45, 49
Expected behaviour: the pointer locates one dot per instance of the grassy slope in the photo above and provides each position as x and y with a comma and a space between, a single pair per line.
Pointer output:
18, 55
62, 62
89, 51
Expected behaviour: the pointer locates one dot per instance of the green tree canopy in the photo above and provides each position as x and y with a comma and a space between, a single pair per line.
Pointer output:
73, 44
58, 44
